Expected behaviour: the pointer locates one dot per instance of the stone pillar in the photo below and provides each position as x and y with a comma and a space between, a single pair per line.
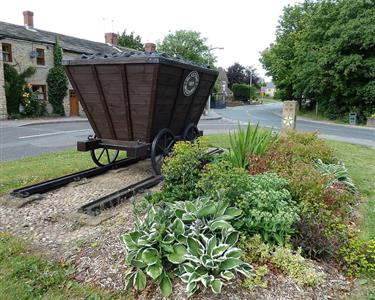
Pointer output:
289, 116
3, 101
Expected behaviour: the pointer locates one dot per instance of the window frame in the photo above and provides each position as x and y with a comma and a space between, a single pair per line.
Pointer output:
9, 52
40, 60
43, 87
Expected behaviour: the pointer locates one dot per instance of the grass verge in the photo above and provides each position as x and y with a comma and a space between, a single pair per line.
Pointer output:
24, 275
18, 173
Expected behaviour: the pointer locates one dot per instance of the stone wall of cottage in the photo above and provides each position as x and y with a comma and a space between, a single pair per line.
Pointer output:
3, 102
22, 59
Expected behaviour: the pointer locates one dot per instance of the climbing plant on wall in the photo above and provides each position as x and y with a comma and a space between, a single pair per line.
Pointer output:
57, 82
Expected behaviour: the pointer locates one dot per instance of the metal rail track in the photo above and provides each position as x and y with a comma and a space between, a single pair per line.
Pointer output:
95, 207
58, 182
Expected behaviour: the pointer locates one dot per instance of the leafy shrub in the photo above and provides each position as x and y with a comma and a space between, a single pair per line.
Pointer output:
222, 177
267, 205
268, 209
243, 92
339, 174
32, 105
284, 258
245, 143
14, 85
193, 239
359, 255
306, 147
181, 170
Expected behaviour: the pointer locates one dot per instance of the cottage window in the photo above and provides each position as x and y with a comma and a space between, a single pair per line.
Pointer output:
40, 59
41, 90
7, 52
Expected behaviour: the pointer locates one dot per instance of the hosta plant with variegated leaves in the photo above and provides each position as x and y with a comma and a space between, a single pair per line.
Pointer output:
212, 258
337, 173
193, 240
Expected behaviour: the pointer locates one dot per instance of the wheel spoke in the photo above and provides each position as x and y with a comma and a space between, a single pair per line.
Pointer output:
109, 160
159, 159
160, 147
101, 153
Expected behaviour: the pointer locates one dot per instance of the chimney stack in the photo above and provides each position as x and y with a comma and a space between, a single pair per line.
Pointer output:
150, 47
111, 38
28, 18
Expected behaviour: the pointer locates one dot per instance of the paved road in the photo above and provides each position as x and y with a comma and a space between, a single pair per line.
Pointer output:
32, 140
269, 116
24, 141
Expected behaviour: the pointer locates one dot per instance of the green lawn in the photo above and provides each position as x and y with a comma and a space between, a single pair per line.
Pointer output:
24, 275
18, 173
360, 161
312, 115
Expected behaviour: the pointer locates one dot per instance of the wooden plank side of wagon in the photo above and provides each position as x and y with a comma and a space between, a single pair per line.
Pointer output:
111, 79
103, 101
83, 79
140, 88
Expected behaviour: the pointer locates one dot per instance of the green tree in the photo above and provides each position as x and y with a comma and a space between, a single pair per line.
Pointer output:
325, 51
57, 82
14, 85
237, 73
189, 45
131, 41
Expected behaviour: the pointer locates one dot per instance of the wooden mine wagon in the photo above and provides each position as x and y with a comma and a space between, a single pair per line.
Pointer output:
139, 102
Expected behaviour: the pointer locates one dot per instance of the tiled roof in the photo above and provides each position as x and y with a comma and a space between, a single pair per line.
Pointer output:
68, 43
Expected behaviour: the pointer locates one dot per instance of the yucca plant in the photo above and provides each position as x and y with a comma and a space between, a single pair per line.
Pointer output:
249, 141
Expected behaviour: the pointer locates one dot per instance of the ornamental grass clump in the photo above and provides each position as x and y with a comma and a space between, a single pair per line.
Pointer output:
249, 141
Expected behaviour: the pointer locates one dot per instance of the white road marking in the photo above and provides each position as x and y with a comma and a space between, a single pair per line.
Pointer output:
52, 133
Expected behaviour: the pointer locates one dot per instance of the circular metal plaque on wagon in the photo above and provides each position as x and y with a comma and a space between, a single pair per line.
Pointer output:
191, 83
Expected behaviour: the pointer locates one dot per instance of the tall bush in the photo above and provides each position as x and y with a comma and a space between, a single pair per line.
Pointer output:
57, 82
14, 85
243, 92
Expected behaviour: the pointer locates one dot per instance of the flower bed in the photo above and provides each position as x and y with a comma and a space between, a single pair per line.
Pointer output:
268, 204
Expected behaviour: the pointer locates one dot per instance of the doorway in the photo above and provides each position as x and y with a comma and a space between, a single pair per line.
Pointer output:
73, 103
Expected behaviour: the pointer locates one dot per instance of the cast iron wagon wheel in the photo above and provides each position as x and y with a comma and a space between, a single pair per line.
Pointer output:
104, 156
160, 148
190, 133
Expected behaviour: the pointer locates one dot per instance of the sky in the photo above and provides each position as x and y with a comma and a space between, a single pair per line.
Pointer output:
243, 28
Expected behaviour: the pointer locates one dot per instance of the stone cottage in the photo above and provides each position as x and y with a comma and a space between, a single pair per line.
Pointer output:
25, 46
